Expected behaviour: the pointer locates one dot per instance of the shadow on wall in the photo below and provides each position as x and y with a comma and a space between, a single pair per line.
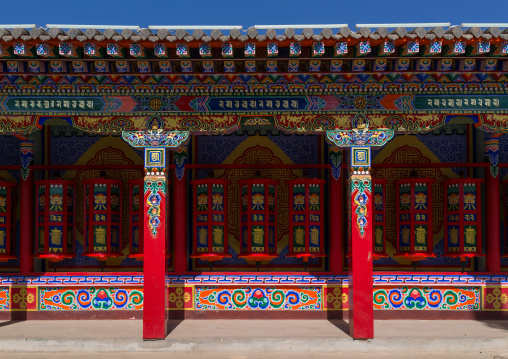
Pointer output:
23, 300
494, 311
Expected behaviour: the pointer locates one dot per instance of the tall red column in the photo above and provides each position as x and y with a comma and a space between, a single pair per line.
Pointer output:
360, 139
180, 212
156, 223
492, 211
335, 254
155, 252
26, 209
361, 312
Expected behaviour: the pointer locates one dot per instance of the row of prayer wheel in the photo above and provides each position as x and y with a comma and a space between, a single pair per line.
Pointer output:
462, 218
55, 218
258, 219
259, 225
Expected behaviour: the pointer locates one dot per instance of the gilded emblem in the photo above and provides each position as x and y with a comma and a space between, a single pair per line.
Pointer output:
155, 104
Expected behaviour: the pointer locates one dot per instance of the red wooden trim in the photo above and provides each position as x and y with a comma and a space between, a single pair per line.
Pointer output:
195, 227
291, 216
225, 219
254, 166
258, 166
336, 224
452, 272
505, 207
180, 223
492, 220
9, 225
430, 165
26, 225
46, 217
382, 183
87, 167
65, 225
132, 183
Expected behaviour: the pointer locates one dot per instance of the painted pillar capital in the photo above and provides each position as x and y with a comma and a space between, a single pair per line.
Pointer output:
180, 156
156, 138
155, 141
491, 150
335, 159
27, 157
359, 135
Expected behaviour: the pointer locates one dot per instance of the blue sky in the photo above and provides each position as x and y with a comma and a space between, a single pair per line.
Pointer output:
249, 12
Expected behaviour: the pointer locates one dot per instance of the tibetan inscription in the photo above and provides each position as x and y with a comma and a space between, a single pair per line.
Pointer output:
469, 102
53, 104
253, 104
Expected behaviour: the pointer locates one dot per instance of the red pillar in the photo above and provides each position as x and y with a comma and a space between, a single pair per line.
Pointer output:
180, 212
361, 312
492, 211
26, 209
155, 251
335, 254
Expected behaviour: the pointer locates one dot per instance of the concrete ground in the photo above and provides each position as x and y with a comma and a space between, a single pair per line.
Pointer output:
222, 355
245, 339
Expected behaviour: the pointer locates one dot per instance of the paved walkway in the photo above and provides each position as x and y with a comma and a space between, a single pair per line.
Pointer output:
256, 336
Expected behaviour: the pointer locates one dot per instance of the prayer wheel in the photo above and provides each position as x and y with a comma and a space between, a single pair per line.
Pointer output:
56, 219
306, 218
103, 218
414, 218
258, 219
210, 219
463, 218
7, 220
136, 230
